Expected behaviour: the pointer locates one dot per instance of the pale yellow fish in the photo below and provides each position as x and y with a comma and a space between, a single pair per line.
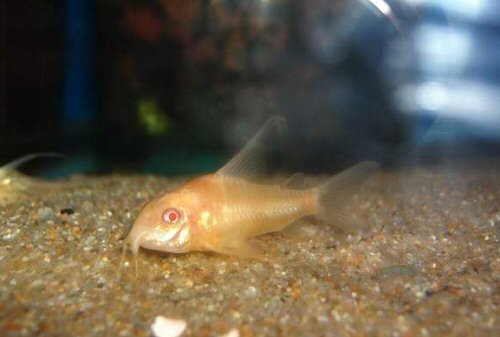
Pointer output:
13, 183
219, 212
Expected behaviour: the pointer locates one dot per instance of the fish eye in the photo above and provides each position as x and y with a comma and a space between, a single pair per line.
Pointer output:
171, 215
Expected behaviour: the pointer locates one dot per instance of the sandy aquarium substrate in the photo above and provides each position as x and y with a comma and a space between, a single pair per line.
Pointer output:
427, 265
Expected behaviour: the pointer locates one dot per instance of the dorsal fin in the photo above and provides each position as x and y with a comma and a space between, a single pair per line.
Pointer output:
20, 161
248, 161
296, 181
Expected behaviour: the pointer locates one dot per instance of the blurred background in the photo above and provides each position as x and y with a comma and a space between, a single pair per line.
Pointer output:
177, 86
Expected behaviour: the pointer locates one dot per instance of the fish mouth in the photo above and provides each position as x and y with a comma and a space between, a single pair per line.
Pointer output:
161, 240
167, 247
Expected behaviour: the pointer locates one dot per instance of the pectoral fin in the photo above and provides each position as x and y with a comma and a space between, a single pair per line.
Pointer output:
241, 249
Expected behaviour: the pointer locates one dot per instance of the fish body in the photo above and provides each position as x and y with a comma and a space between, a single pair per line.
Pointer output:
219, 212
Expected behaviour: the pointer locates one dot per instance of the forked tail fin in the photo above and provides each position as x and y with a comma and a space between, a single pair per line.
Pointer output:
336, 193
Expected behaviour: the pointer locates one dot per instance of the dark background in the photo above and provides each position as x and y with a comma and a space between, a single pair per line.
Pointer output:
176, 86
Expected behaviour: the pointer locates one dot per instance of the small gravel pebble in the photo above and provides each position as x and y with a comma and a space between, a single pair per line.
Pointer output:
45, 213
67, 211
168, 327
251, 292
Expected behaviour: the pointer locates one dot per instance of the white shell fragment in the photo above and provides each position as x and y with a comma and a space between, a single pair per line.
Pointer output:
232, 333
168, 327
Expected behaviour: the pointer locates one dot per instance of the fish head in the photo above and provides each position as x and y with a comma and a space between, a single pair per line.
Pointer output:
164, 224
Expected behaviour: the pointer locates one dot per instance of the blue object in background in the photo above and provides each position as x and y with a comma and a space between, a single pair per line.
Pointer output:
446, 72
79, 91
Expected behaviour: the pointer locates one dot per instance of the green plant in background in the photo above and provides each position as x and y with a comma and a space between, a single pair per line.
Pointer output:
152, 118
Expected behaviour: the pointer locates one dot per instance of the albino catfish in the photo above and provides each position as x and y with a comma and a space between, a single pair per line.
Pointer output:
13, 182
219, 212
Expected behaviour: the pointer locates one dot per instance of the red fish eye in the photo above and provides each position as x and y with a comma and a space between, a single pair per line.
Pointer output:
171, 215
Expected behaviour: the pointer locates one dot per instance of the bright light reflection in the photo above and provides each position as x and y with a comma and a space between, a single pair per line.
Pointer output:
431, 96
382, 6
468, 101
466, 8
443, 49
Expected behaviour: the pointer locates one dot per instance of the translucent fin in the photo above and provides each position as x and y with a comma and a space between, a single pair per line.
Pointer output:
241, 249
248, 162
21, 181
296, 181
20, 161
336, 193
300, 229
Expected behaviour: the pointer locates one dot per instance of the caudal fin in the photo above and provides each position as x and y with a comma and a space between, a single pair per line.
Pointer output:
336, 193
22, 160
